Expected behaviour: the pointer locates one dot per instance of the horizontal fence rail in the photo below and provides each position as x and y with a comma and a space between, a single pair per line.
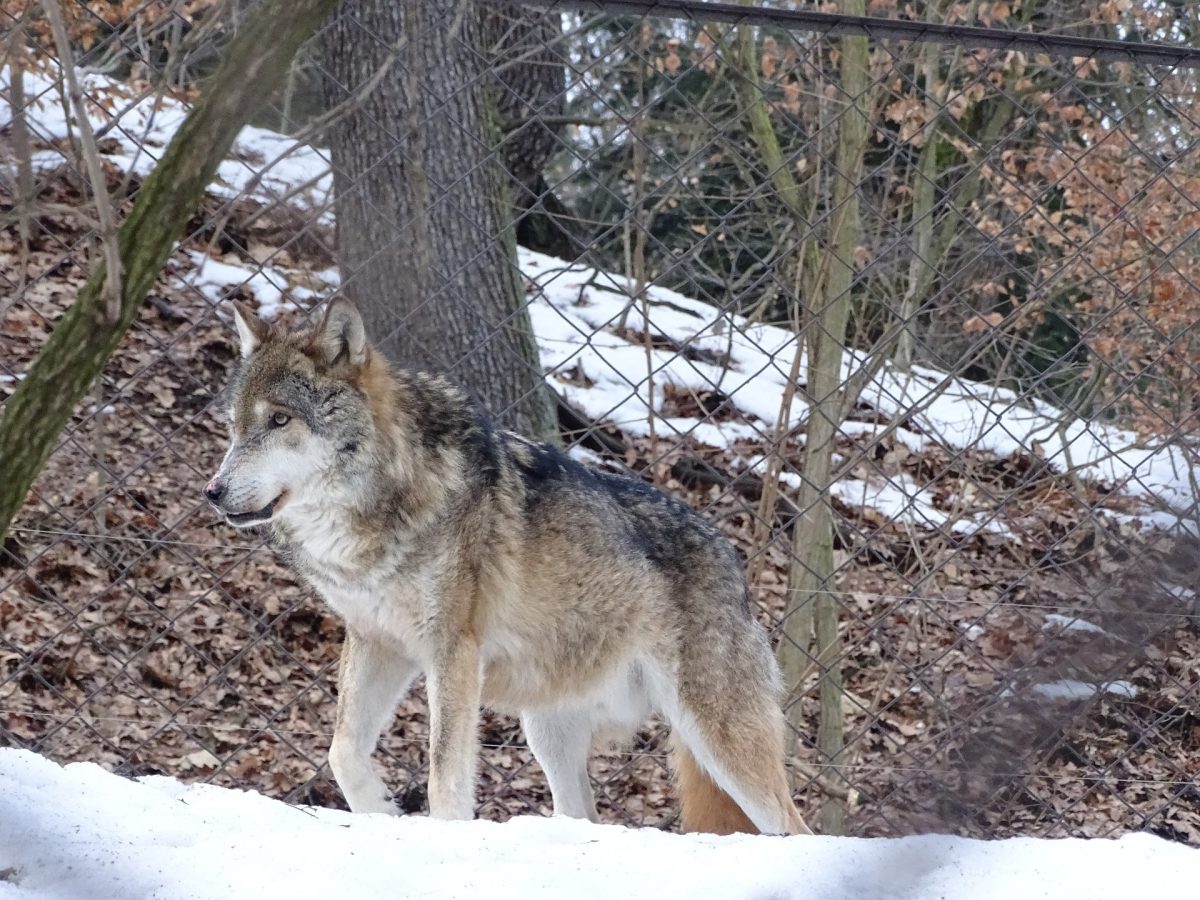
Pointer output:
833, 24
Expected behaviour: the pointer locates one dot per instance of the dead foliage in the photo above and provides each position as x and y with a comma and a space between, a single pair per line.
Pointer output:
138, 633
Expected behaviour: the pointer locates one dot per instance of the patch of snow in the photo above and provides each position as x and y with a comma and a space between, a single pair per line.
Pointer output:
78, 831
1068, 689
897, 498
714, 434
575, 309
984, 521
303, 176
866, 431
136, 131
1071, 623
1151, 519
216, 280
330, 277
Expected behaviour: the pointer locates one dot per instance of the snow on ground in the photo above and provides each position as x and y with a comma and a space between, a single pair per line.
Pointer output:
1069, 689
575, 311
135, 131
78, 831
1070, 623
274, 287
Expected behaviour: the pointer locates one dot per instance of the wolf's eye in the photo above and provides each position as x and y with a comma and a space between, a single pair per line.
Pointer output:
280, 419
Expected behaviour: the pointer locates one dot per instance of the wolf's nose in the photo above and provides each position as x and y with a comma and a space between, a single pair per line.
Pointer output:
214, 491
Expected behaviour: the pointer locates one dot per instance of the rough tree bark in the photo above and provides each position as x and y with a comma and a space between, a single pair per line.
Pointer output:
64, 371
424, 208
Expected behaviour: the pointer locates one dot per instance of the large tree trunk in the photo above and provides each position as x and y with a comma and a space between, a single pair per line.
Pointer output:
424, 207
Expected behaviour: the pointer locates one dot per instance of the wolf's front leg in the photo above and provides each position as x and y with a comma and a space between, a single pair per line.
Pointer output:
372, 677
454, 683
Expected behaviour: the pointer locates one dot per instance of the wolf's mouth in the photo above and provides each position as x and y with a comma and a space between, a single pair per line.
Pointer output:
258, 515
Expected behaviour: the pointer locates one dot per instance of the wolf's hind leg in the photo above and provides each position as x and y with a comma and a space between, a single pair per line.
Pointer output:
561, 740
371, 680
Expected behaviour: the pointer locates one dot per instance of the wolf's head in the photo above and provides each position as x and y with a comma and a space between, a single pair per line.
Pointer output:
300, 421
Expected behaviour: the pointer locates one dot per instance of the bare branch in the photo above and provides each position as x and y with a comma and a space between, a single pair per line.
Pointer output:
91, 164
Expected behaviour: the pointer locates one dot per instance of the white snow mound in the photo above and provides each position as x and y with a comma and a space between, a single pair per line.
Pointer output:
79, 831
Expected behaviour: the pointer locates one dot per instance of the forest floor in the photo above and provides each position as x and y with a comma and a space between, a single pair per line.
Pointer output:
1020, 634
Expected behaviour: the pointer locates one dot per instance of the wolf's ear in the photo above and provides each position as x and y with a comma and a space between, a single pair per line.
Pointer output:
342, 337
251, 330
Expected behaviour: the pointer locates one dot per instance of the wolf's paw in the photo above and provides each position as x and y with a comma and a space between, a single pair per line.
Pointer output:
461, 809
385, 804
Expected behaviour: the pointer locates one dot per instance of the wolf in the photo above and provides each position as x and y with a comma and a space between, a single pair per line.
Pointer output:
505, 571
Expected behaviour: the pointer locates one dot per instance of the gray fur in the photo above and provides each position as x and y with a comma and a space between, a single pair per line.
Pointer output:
506, 571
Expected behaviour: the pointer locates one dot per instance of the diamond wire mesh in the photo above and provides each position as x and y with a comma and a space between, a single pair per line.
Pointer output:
1015, 557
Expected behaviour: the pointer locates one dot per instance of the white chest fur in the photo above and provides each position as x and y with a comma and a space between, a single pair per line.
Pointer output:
390, 609
380, 590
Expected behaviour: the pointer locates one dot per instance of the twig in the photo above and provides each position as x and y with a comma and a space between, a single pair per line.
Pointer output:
641, 223
21, 148
92, 164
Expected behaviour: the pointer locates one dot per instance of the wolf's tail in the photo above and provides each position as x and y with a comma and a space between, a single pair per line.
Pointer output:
705, 807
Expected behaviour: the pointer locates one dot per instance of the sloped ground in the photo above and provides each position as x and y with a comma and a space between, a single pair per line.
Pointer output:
1020, 645
79, 831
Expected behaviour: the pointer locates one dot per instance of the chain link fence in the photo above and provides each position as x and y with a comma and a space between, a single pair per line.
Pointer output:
936, 288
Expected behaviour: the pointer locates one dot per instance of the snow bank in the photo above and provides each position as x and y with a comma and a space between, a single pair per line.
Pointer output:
136, 127
574, 310
78, 831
